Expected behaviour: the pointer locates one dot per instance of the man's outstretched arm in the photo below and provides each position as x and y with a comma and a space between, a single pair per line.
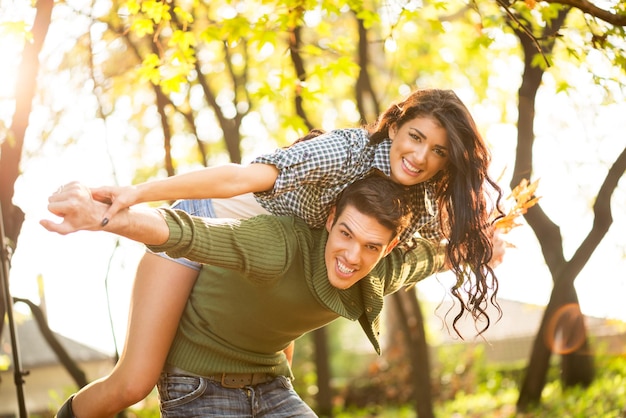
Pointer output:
80, 212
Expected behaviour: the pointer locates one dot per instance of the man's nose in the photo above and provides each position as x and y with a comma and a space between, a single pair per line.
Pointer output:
353, 253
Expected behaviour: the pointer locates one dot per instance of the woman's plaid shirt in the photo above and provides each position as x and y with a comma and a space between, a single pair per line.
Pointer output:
312, 173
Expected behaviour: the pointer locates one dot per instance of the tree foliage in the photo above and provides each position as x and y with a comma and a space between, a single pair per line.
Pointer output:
204, 79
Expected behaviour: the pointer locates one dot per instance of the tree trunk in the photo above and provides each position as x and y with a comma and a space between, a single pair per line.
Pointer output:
562, 329
562, 316
411, 321
366, 100
295, 44
11, 148
322, 366
558, 335
161, 102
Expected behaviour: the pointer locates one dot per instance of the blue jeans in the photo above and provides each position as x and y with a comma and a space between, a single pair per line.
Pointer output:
191, 396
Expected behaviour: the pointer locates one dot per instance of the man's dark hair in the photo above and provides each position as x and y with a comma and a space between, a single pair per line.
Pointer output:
379, 197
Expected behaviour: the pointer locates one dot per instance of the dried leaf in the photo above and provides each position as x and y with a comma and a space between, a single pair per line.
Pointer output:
531, 3
524, 197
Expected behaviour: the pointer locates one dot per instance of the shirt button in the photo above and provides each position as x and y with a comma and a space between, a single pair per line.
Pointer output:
368, 309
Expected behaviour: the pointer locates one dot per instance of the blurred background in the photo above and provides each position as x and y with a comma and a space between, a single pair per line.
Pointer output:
118, 92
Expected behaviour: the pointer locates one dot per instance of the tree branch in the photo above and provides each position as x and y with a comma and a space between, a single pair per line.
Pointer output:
593, 10
295, 41
364, 87
66, 360
602, 215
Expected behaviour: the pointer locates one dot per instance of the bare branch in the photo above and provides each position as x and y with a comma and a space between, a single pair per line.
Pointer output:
295, 42
602, 215
593, 10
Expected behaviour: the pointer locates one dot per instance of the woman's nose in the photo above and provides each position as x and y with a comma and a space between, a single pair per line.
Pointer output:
420, 153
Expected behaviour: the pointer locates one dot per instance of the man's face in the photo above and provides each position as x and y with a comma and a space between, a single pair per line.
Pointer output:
356, 243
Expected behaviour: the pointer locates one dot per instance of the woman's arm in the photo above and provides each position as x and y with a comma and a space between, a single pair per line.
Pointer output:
214, 182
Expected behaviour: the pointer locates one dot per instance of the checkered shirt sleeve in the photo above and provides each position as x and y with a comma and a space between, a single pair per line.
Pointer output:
313, 173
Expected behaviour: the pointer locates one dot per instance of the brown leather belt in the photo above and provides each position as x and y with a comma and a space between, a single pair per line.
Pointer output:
241, 380
230, 380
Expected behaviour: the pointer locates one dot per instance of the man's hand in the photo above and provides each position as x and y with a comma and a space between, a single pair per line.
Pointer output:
80, 212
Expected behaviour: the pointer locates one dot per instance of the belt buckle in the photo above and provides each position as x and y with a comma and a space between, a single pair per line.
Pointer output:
231, 382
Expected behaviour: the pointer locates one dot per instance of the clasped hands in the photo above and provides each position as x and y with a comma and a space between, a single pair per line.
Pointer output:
74, 203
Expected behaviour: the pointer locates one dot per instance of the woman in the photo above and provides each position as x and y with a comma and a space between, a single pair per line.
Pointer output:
427, 142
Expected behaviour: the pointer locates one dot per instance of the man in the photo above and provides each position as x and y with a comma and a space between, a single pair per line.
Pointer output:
268, 280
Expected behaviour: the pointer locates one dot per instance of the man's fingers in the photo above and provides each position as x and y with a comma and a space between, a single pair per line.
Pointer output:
52, 226
101, 194
74, 204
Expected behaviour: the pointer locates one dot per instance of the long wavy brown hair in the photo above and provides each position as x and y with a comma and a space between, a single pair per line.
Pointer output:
463, 191
467, 198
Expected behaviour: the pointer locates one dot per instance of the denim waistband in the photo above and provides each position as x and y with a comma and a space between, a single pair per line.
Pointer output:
227, 380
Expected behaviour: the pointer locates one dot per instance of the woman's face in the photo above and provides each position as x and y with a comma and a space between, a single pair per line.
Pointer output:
419, 150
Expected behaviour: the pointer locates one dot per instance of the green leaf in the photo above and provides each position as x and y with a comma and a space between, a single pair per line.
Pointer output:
149, 69
173, 84
156, 10
182, 40
142, 27
133, 6
183, 16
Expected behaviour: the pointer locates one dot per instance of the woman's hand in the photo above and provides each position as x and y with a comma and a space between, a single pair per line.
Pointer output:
498, 250
116, 197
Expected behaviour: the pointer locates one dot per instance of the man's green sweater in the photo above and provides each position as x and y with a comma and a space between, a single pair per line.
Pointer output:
265, 284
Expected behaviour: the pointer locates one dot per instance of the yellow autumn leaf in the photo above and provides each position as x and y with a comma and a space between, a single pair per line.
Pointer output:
523, 196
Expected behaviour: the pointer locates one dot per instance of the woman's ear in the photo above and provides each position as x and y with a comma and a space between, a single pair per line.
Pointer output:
393, 130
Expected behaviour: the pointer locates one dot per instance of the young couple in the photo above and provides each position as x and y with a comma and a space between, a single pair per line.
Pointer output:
270, 279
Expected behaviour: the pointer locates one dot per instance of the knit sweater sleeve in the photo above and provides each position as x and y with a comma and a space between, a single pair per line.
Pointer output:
259, 247
401, 268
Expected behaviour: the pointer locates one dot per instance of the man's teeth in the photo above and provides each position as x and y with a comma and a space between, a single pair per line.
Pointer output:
343, 268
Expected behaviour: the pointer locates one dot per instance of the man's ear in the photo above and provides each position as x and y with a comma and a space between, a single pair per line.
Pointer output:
331, 218
391, 245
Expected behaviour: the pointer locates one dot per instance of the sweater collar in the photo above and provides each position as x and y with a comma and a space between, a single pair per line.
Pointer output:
365, 296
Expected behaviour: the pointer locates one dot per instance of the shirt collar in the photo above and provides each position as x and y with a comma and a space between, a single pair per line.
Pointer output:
381, 157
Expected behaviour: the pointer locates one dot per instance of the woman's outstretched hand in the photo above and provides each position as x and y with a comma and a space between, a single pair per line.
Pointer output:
117, 197
499, 248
